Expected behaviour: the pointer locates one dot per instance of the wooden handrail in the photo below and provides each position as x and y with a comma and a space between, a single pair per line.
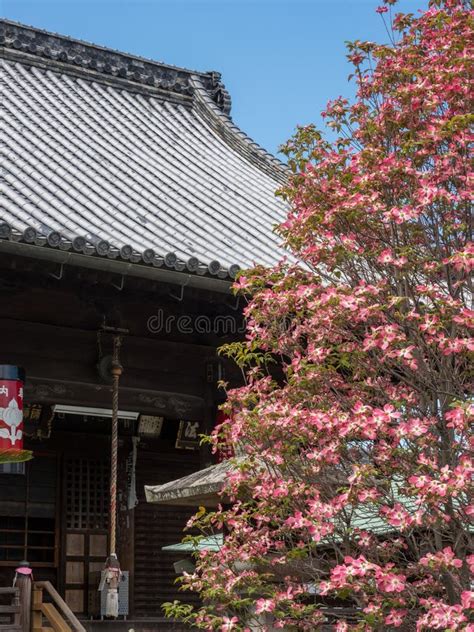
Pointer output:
13, 609
51, 612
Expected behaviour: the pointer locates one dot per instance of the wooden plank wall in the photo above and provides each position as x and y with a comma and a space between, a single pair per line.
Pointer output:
35, 491
31, 499
157, 526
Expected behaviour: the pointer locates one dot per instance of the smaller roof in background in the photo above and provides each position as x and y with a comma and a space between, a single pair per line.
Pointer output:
199, 488
211, 543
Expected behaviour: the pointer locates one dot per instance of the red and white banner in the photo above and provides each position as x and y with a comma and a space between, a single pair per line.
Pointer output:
11, 411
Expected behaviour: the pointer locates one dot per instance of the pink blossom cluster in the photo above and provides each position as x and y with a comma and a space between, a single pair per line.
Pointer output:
353, 425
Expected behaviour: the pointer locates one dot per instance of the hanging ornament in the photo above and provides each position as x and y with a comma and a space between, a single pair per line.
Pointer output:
12, 379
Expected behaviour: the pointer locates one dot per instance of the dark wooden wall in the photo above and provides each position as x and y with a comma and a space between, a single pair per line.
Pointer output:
51, 327
50, 321
157, 526
28, 508
83, 299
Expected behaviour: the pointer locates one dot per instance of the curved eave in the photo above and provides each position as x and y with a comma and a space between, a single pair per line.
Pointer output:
235, 137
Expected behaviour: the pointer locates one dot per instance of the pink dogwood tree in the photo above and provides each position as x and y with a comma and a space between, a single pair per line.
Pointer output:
354, 485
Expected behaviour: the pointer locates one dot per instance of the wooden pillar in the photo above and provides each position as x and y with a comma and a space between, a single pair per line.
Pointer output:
23, 583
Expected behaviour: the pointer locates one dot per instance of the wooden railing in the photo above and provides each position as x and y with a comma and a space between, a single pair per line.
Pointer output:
12, 610
58, 614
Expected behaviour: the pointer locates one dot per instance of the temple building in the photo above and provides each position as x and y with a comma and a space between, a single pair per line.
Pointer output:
129, 201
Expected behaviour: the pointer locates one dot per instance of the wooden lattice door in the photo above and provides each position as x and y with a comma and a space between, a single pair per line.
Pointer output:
86, 487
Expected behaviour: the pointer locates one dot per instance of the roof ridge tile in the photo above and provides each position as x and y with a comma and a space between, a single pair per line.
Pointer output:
54, 48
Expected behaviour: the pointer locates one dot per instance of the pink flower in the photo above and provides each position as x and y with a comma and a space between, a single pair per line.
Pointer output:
356, 59
467, 599
463, 260
396, 617
242, 282
389, 582
297, 521
445, 558
264, 605
414, 428
229, 624
470, 563
365, 539
459, 417
440, 616
368, 494
419, 481
386, 256
397, 516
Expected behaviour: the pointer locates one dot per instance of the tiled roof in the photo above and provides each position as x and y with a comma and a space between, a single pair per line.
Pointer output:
211, 543
198, 487
112, 155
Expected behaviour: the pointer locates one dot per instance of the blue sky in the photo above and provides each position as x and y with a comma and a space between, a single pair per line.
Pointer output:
280, 59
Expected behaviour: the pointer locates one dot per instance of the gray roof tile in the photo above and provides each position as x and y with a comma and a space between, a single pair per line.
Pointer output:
100, 161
